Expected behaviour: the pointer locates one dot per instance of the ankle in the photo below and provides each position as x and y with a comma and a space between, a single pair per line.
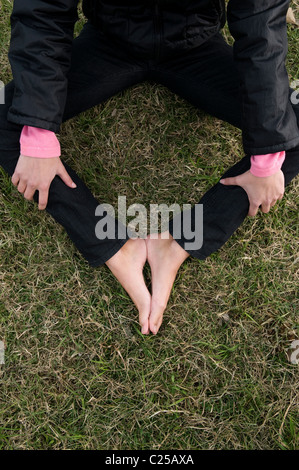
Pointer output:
179, 250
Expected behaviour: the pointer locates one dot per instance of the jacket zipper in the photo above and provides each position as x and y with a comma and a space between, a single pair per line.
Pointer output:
158, 29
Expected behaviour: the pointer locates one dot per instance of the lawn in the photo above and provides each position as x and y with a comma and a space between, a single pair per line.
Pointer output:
78, 374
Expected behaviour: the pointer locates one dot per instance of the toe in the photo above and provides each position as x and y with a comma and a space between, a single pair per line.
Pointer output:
144, 325
145, 329
155, 320
144, 314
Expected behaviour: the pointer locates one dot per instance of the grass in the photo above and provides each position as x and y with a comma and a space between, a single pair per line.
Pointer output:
78, 373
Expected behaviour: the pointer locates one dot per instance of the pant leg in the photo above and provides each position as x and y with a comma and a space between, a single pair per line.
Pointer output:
96, 74
207, 78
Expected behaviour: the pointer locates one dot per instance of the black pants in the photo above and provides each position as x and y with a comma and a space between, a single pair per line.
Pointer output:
205, 76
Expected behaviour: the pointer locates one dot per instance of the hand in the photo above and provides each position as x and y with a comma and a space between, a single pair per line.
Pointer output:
261, 191
36, 174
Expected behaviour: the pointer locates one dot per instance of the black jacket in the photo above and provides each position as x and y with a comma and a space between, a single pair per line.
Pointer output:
42, 33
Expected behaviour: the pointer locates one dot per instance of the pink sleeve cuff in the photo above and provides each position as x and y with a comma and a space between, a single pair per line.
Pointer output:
39, 143
266, 165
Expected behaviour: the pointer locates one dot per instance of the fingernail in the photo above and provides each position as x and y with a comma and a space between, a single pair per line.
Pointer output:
74, 185
221, 181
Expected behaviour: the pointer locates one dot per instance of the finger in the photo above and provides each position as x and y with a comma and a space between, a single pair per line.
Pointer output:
253, 209
29, 193
273, 203
15, 179
229, 181
22, 187
266, 206
43, 198
66, 177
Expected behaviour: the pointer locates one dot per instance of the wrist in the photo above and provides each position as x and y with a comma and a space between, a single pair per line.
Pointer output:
39, 143
266, 165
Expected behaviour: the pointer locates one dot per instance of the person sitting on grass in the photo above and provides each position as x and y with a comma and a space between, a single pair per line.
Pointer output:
174, 43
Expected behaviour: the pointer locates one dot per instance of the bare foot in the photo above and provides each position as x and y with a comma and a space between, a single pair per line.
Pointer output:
165, 256
127, 266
